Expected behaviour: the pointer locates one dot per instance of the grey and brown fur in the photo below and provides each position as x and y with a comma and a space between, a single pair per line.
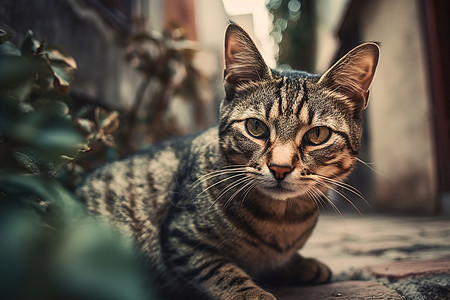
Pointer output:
215, 212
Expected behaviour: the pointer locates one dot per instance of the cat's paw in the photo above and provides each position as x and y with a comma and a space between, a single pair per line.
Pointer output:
300, 271
311, 271
254, 294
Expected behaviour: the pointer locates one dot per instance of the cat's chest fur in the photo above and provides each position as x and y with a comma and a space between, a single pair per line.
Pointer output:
271, 241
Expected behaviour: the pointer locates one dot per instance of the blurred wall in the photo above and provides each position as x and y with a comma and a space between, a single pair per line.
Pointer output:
399, 111
211, 23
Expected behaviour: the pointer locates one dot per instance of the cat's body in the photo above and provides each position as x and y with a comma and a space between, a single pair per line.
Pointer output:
216, 211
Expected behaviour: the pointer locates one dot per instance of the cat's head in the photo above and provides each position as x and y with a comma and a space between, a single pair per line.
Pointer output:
291, 130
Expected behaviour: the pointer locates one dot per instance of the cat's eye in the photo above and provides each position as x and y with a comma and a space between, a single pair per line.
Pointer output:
257, 128
317, 135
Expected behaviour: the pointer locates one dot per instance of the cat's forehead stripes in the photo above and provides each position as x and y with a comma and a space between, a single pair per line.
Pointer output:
289, 99
304, 114
300, 97
273, 110
284, 95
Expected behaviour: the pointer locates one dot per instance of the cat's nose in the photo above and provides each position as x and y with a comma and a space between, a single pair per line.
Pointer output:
280, 171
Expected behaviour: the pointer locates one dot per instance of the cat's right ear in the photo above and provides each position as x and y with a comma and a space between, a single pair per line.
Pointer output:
243, 61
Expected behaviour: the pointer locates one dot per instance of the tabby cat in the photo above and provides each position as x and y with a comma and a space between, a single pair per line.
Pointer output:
217, 213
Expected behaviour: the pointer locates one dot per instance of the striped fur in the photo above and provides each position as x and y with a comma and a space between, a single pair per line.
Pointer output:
207, 210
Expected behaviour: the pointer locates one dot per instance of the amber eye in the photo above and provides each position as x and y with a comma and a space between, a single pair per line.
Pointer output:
317, 135
257, 128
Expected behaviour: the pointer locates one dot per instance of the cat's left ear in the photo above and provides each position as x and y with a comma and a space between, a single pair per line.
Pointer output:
243, 62
353, 73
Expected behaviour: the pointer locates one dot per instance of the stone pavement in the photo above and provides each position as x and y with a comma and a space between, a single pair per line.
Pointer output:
379, 257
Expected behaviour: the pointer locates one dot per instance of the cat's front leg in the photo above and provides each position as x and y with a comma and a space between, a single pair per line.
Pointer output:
200, 265
218, 278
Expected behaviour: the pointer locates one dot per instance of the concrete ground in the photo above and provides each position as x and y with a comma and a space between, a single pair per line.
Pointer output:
379, 257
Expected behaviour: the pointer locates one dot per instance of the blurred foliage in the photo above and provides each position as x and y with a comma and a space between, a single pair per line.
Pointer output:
37, 132
50, 248
294, 32
166, 61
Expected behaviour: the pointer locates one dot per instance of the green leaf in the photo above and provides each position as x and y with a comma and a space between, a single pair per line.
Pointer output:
8, 49
28, 161
22, 90
63, 67
35, 161
26, 108
46, 130
21, 187
18, 232
56, 107
108, 140
14, 71
67, 158
55, 54
10, 115
63, 76
59, 138
44, 73
96, 262
107, 120
39, 162
87, 126
30, 46
4, 36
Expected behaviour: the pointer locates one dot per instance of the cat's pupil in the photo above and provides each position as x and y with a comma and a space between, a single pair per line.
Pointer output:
317, 135
317, 132
257, 128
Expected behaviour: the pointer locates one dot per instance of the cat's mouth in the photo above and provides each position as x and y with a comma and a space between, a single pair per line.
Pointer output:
280, 191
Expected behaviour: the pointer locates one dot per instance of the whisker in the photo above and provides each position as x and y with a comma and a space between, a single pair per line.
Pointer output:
320, 197
340, 194
370, 167
219, 182
249, 182
217, 173
364, 162
313, 198
345, 186
320, 200
325, 196
249, 190
228, 188
225, 169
